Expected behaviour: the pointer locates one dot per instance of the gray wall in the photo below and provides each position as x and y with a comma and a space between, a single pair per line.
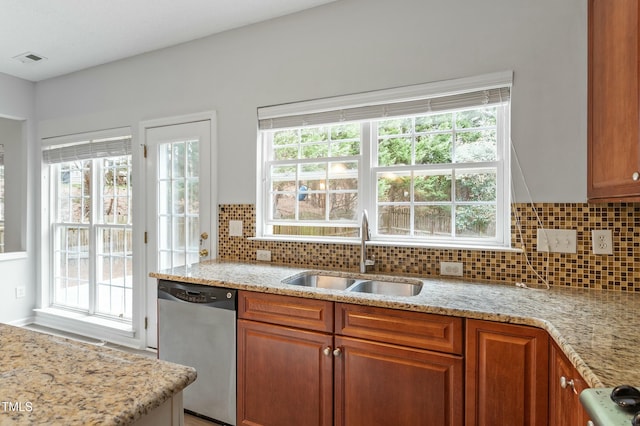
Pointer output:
346, 47
17, 100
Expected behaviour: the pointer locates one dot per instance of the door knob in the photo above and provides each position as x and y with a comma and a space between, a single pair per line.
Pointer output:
204, 235
204, 253
337, 352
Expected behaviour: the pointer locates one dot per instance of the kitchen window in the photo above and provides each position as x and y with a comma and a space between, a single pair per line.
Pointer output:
91, 226
429, 162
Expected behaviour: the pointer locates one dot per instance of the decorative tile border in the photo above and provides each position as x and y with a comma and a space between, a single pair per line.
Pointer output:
583, 269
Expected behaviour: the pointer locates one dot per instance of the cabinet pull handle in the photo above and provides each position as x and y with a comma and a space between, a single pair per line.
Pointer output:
327, 351
635, 176
568, 383
337, 352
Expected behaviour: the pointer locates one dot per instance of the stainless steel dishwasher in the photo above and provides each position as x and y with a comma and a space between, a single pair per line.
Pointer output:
197, 327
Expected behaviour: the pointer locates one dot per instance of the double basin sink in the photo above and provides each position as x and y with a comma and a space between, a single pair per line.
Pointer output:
405, 287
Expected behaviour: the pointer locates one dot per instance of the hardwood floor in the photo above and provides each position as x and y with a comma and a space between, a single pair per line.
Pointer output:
190, 420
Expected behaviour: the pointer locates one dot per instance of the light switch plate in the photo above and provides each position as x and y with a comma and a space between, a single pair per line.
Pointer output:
235, 228
556, 240
602, 241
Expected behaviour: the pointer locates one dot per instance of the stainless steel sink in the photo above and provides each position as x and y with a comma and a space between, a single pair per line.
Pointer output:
388, 288
356, 284
320, 281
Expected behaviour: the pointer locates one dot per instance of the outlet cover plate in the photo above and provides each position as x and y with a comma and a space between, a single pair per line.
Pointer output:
602, 241
263, 255
453, 269
557, 240
235, 228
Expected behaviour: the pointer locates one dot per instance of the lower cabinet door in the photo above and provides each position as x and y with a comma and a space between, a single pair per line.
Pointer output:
382, 384
565, 386
285, 376
507, 380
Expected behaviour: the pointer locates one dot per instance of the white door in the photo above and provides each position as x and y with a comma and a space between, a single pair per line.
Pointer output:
178, 204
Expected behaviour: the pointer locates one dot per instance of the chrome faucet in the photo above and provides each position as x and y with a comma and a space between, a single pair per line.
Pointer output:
365, 235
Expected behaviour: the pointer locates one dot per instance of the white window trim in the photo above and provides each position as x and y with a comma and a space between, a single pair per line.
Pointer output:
502, 242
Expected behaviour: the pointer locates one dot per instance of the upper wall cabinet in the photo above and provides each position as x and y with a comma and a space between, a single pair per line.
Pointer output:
613, 101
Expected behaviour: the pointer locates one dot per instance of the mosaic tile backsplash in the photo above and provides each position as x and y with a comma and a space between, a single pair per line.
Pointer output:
583, 269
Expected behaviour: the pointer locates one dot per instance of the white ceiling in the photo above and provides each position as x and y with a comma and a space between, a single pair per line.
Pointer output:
77, 34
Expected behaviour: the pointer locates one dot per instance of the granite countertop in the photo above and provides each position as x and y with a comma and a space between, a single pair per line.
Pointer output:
599, 331
50, 380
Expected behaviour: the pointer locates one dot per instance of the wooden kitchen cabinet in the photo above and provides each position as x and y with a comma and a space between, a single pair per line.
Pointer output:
613, 116
377, 366
387, 372
285, 372
506, 374
565, 385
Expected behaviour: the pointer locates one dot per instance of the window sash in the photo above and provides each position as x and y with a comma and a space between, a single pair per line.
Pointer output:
94, 251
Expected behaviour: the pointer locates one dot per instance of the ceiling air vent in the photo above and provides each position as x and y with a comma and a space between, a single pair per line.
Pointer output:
29, 57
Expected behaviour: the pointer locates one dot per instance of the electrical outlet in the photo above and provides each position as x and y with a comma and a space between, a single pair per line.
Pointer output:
557, 240
453, 269
602, 241
235, 228
20, 292
263, 255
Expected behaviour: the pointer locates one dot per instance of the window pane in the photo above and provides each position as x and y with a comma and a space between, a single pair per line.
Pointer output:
192, 159
71, 268
314, 150
394, 151
394, 220
432, 221
475, 146
394, 187
476, 221
313, 207
432, 186
178, 159
193, 196
114, 273
286, 153
476, 186
116, 190
434, 149
285, 137
343, 206
345, 149
284, 206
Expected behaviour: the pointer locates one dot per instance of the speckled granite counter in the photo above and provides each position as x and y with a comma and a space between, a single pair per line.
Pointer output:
55, 381
598, 331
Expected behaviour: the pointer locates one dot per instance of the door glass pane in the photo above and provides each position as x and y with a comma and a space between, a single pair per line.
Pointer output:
178, 203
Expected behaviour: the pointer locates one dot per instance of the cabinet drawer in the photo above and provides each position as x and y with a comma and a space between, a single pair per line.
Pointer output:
414, 329
291, 311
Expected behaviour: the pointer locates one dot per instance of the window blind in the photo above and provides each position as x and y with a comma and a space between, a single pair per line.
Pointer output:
419, 99
86, 150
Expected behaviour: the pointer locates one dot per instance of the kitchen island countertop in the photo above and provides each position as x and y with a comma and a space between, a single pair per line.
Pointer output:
51, 380
599, 331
